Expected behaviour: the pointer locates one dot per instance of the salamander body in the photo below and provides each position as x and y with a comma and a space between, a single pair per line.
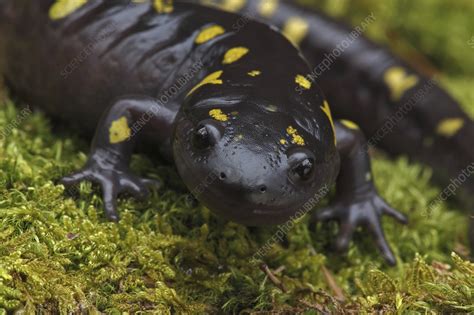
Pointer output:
232, 92
232, 106
401, 110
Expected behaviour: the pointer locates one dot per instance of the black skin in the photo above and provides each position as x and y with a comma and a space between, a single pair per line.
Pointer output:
258, 179
356, 77
356, 193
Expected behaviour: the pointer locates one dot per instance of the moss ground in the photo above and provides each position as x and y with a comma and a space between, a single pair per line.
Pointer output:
167, 255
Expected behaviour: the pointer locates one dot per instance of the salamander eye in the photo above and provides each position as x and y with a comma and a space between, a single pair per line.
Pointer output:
302, 165
303, 170
205, 135
201, 138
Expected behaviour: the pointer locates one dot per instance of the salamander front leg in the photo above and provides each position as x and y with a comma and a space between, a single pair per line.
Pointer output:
358, 202
112, 147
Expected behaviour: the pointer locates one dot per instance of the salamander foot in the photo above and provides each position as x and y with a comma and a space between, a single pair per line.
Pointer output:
113, 182
365, 209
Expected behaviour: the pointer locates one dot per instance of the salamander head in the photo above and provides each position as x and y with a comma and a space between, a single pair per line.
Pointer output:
257, 165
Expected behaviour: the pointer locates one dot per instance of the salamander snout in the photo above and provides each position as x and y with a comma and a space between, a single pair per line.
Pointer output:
246, 173
256, 188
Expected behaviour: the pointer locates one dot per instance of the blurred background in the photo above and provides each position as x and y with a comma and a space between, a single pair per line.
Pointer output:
434, 36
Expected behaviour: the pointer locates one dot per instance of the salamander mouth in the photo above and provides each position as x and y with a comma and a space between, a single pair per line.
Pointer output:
261, 217
266, 212
277, 211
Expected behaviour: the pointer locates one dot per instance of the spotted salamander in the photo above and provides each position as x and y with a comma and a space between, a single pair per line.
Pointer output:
400, 109
230, 100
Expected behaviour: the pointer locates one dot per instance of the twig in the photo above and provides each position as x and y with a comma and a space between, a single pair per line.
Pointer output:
338, 293
317, 307
279, 269
273, 278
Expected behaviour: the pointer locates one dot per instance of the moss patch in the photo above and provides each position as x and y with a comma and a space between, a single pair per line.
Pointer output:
167, 255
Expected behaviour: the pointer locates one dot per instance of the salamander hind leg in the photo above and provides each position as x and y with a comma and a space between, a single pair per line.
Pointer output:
357, 201
112, 147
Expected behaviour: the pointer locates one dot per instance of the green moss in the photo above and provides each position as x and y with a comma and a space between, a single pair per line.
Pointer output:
165, 255
168, 256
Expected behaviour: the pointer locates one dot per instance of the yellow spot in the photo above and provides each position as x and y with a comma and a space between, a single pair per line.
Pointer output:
254, 73
450, 126
296, 138
62, 8
163, 6
295, 29
234, 54
213, 78
398, 81
349, 124
217, 114
327, 111
303, 82
267, 8
283, 141
239, 137
119, 130
232, 5
209, 33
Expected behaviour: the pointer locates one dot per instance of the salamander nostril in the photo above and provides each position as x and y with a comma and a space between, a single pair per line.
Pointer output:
222, 175
263, 188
